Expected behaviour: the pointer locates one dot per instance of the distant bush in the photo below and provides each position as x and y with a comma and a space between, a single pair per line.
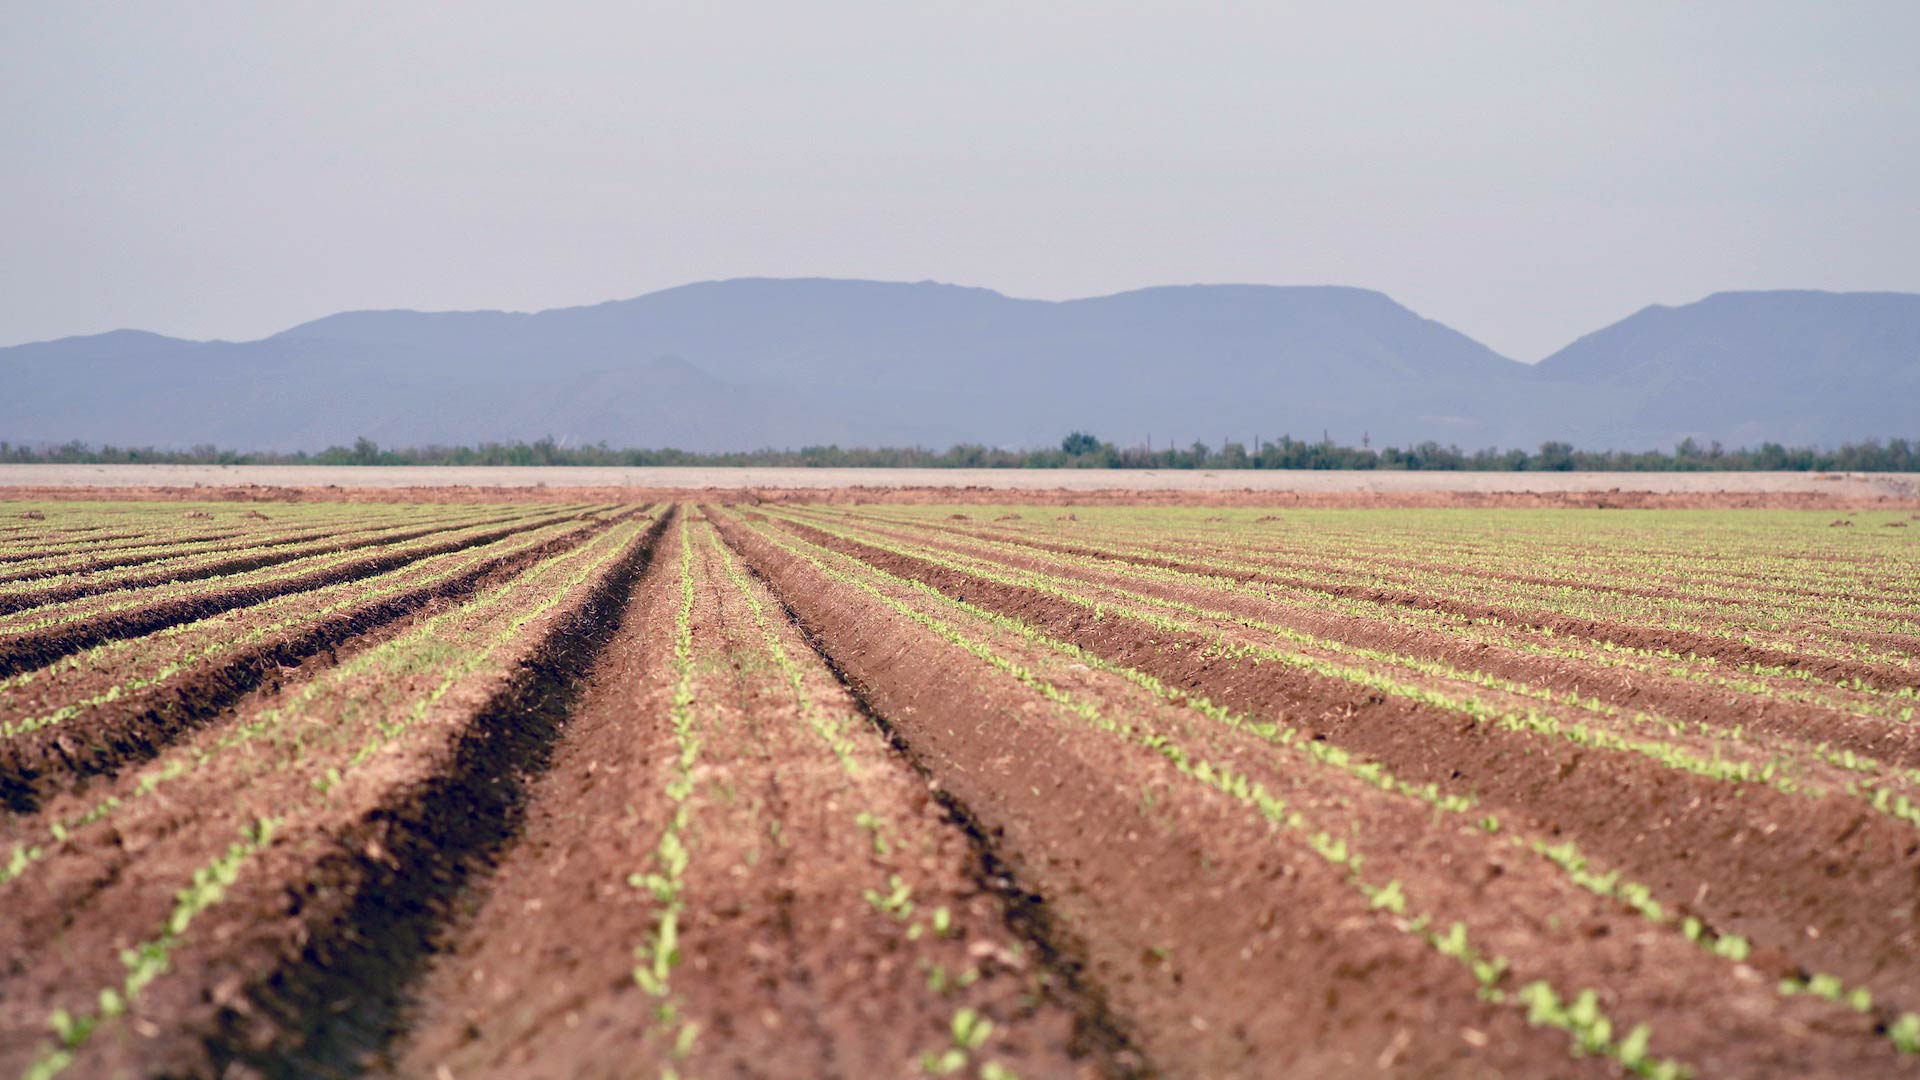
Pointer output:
1078, 450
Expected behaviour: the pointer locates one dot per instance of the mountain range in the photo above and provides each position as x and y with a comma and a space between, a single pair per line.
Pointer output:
757, 362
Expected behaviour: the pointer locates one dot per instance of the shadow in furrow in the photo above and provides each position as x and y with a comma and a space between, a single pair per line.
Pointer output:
332, 1009
1098, 1031
33, 768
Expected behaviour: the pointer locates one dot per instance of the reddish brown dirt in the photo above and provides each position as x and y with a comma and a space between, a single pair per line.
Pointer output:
1890, 740
459, 903
1831, 668
1747, 859
25, 649
1454, 562
979, 496
79, 578
1277, 985
787, 969
297, 969
1523, 906
136, 727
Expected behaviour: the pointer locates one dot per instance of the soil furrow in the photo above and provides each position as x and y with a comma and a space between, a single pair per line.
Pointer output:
1098, 1031
383, 750
1832, 668
1706, 1009
1820, 879
778, 964
1892, 741
17, 591
24, 599
139, 726
29, 649
394, 879
1212, 983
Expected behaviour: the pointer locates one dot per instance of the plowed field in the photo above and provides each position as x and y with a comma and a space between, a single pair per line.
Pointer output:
835, 790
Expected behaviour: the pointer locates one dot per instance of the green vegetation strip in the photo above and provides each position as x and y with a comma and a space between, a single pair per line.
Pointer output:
659, 953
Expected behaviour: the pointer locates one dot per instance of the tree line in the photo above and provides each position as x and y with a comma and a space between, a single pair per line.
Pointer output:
1078, 450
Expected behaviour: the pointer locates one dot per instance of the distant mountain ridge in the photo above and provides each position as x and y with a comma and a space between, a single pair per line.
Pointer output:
756, 362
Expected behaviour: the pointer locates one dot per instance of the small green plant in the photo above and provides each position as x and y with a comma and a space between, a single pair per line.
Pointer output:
897, 901
970, 1031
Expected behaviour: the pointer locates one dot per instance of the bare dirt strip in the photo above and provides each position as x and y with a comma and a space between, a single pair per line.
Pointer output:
1050, 487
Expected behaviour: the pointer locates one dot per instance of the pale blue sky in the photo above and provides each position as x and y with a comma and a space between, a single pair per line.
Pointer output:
1523, 172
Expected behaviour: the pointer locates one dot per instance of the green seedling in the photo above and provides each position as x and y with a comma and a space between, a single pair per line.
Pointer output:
897, 901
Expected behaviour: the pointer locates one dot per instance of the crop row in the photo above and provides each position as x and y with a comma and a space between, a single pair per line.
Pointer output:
1711, 753
1666, 753
114, 564
1443, 627
1805, 627
287, 773
1577, 1012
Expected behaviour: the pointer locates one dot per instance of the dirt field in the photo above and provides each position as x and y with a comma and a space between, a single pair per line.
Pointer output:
858, 788
1052, 486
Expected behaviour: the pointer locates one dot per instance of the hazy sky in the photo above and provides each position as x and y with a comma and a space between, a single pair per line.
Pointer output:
1523, 172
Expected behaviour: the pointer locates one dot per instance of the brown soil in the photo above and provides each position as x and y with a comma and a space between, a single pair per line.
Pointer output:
1831, 668
993, 496
1892, 741
187, 555
136, 727
300, 964
1526, 908
21, 599
1749, 859
900, 810
1213, 984
24, 649
786, 967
